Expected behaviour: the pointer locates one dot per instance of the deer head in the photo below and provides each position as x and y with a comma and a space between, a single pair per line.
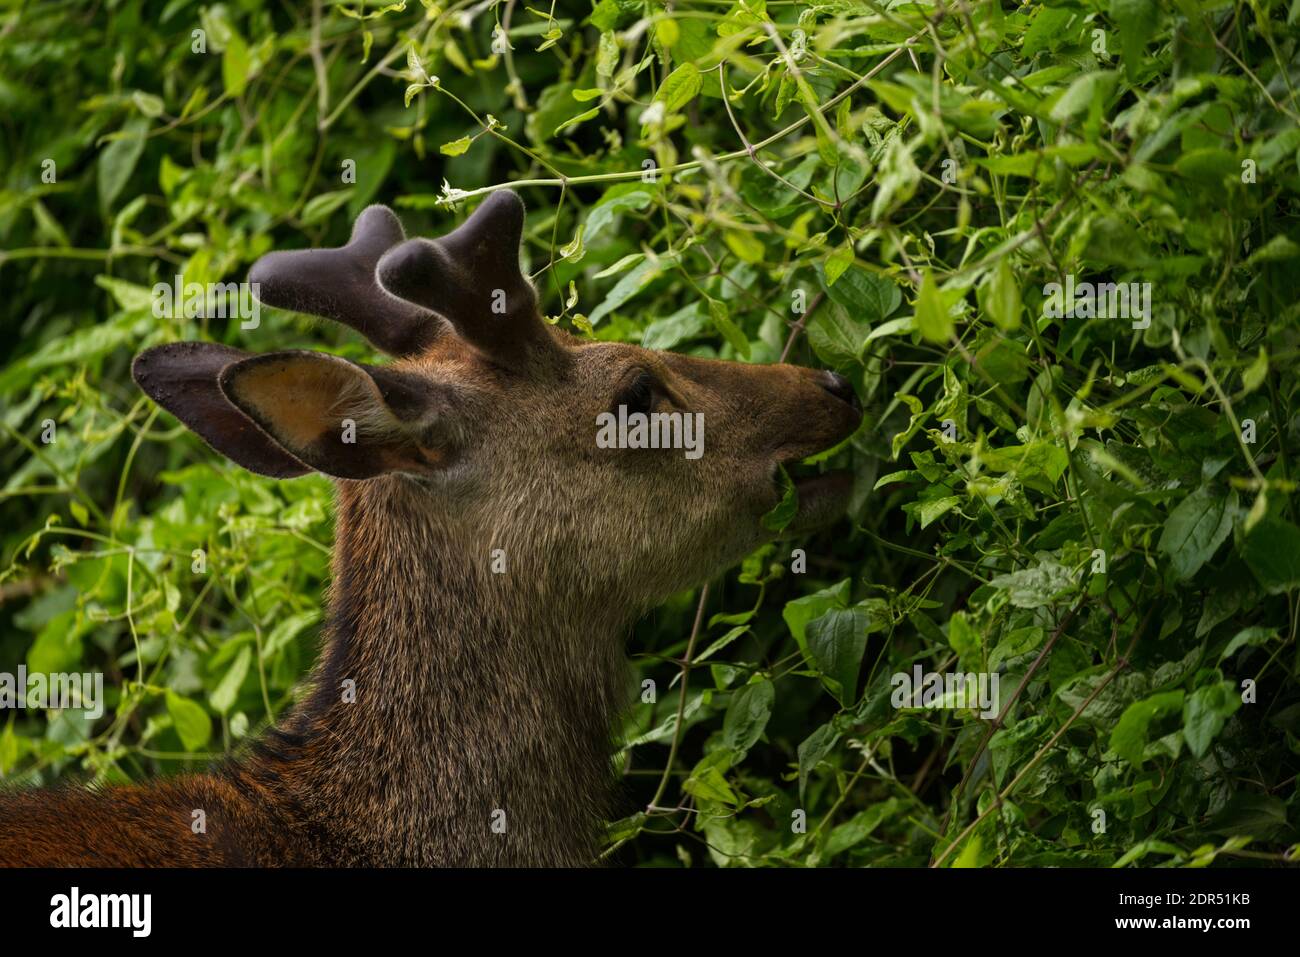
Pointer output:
488, 417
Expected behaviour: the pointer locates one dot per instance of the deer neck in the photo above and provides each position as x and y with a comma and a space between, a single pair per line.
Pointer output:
461, 713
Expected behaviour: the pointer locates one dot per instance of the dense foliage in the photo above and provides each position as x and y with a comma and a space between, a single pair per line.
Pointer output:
1098, 509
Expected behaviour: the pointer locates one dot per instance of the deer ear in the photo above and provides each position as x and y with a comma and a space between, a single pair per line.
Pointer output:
341, 418
182, 378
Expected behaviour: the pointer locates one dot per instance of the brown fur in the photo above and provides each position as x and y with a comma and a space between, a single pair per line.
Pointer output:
475, 692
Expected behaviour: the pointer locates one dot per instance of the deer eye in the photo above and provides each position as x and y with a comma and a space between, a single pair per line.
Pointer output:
638, 395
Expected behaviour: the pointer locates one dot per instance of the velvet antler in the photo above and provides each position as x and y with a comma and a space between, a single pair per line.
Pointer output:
340, 284
472, 278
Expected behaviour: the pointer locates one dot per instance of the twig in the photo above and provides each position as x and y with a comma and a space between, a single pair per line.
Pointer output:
801, 324
681, 697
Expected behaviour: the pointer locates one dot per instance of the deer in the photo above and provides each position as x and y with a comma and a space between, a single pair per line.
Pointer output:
489, 562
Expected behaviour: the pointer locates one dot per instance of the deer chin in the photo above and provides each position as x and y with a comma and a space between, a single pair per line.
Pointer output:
822, 500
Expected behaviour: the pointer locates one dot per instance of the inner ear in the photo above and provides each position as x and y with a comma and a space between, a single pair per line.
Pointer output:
338, 417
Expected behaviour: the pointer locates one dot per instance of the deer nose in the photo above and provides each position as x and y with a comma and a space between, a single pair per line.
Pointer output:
841, 388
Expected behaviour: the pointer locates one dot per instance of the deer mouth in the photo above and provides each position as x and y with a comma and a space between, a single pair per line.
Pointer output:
823, 496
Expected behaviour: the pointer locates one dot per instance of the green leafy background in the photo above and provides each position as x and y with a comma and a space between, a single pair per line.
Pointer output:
1101, 514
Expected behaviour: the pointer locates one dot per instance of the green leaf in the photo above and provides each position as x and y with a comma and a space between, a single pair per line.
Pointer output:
1040, 464
901, 325
550, 38
189, 719
680, 87
8, 749
1128, 739
1272, 550
48, 228
1088, 92
720, 316
1000, 297
235, 65
128, 294
287, 629
708, 781
196, 101
619, 199
782, 514
1135, 22
840, 259
859, 827
931, 510
903, 475
1037, 586
582, 117
1196, 528
896, 180
574, 250
83, 345
169, 175
58, 645
456, 147
932, 318
836, 337
80, 513
645, 273
748, 247
837, 641
1208, 167
1048, 29
1011, 746
721, 643
1256, 815
223, 696
117, 161
1247, 637
747, 716
320, 208
799, 611
1253, 376
812, 750
623, 264
148, 104
1205, 712
607, 54
970, 853
962, 636
1020, 641
1280, 248
866, 296
919, 415
667, 32
686, 323
414, 65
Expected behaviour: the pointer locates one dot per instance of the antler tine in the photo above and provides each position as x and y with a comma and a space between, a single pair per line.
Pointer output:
340, 284
472, 277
